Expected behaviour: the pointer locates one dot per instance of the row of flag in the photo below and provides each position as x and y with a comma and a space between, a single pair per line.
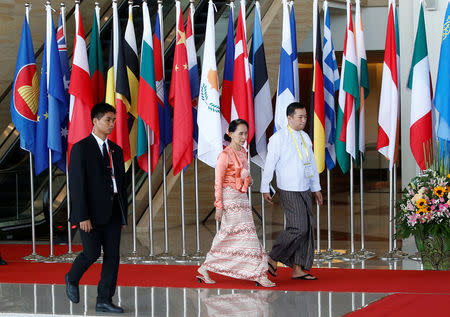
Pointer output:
56, 115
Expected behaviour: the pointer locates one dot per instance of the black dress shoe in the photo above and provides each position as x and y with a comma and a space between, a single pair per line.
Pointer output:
2, 262
72, 291
108, 308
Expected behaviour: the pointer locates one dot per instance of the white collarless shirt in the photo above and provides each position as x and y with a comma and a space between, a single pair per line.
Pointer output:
284, 159
100, 144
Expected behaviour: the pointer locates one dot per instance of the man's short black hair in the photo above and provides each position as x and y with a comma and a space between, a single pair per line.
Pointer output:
290, 110
100, 109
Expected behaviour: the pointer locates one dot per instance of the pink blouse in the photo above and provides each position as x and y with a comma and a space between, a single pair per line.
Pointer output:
231, 171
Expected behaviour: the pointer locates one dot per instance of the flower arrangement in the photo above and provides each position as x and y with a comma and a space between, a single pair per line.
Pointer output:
424, 207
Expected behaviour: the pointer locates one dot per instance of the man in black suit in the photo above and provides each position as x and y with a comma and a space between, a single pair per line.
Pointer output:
99, 206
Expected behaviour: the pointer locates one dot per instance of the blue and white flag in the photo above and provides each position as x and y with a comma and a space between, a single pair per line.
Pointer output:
331, 85
53, 106
25, 91
294, 54
286, 86
442, 94
261, 93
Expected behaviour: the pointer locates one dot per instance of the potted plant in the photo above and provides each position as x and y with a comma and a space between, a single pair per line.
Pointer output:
425, 214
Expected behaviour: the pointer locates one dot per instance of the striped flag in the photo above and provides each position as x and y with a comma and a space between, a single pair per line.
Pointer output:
180, 98
294, 54
209, 121
132, 64
227, 84
261, 92
242, 98
286, 87
194, 80
62, 50
389, 96
80, 124
164, 108
117, 87
421, 137
96, 60
331, 85
363, 76
317, 99
147, 106
351, 88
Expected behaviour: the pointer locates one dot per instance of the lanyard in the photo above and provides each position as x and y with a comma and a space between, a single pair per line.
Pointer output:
296, 145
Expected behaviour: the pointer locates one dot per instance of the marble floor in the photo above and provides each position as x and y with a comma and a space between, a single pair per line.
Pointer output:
50, 300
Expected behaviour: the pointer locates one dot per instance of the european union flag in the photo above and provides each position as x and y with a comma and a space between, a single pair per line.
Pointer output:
442, 96
25, 92
53, 107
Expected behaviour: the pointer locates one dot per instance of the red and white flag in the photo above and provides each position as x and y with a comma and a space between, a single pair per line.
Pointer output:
80, 124
242, 98
389, 98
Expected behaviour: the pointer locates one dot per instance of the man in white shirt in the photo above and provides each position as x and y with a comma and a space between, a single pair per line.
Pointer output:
291, 156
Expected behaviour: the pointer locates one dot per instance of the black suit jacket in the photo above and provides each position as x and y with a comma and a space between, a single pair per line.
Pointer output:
90, 183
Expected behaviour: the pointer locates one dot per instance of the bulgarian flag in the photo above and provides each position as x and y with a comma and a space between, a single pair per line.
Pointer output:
147, 106
420, 84
389, 97
351, 88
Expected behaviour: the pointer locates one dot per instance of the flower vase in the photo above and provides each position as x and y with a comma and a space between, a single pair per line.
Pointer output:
434, 250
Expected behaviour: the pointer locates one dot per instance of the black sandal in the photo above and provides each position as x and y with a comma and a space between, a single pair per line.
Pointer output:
305, 277
274, 273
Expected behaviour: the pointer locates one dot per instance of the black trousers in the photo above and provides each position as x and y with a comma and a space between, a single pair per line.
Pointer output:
108, 236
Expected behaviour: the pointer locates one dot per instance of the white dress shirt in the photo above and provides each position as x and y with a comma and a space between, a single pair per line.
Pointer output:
100, 144
284, 159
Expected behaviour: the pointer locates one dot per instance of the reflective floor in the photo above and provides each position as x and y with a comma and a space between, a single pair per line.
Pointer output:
46, 300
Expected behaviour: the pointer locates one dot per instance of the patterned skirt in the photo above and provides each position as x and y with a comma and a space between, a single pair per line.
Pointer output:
236, 250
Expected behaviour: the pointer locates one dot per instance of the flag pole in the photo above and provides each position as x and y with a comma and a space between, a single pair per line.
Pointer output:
351, 256
263, 215
51, 257
183, 257
329, 253
395, 250
151, 256
132, 257
364, 253
165, 255
198, 255
33, 256
390, 255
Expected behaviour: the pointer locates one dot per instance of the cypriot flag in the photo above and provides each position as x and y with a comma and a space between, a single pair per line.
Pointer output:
208, 119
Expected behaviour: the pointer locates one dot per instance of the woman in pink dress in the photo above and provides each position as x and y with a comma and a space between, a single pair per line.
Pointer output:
236, 250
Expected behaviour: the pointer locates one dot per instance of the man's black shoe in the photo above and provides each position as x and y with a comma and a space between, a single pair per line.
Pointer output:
108, 308
72, 291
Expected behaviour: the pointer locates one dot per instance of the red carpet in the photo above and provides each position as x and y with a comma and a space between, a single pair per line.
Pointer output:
407, 305
336, 280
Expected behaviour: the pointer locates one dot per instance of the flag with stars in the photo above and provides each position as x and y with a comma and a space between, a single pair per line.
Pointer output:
53, 107
180, 99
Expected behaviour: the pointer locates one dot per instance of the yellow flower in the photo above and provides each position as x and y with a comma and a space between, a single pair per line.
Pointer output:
421, 211
448, 175
439, 191
421, 203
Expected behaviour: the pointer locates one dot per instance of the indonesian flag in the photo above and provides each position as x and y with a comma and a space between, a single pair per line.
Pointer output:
389, 97
420, 84
242, 98
180, 98
80, 124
